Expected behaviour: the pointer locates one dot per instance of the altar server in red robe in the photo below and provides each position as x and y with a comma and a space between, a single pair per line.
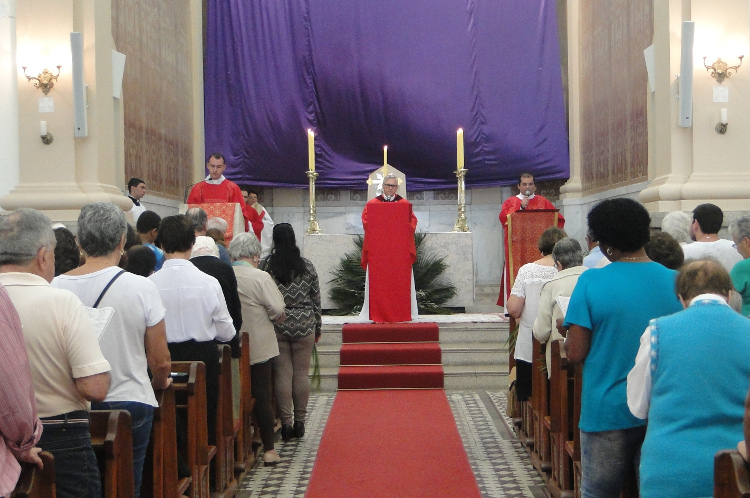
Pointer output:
526, 200
216, 188
396, 259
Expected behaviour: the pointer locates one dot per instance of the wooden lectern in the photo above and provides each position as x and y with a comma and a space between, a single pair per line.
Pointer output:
524, 230
231, 212
388, 253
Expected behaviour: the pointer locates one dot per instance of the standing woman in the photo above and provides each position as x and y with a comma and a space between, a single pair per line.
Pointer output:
608, 311
262, 305
297, 280
135, 339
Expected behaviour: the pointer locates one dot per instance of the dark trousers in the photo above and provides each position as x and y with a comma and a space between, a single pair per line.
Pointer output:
208, 353
523, 379
76, 469
261, 375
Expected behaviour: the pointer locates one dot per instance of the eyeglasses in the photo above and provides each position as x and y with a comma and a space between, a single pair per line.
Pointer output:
389, 185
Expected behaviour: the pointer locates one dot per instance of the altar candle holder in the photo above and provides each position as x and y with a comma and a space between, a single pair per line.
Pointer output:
461, 225
312, 223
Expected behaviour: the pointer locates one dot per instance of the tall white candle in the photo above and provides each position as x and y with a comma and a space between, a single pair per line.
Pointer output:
724, 115
311, 149
43, 128
385, 155
460, 148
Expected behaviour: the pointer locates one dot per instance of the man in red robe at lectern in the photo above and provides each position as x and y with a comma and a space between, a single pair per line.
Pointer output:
526, 200
388, 253
216, 188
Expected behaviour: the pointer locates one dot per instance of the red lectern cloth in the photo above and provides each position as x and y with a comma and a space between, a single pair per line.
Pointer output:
389, 252
226, 211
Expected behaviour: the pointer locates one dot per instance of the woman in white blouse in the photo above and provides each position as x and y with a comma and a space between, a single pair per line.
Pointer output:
523, 305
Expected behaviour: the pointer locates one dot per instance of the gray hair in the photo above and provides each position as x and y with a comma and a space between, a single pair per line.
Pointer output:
677, 224
244, 245
740, 228
22, 234
217, 222
198, 217
100, 228
568, 253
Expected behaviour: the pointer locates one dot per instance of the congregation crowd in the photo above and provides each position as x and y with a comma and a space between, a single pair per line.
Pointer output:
94, 322
659, 321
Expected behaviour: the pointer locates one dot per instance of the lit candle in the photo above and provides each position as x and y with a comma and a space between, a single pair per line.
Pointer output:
43, 128
724, 115
311, 149
460, 148
385, 155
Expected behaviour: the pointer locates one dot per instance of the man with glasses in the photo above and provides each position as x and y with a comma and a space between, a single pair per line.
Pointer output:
397, 248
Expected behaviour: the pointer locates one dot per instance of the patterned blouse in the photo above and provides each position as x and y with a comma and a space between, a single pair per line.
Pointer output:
302, 300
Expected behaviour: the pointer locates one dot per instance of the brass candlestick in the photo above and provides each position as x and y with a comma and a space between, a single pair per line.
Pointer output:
312, 222
460, 225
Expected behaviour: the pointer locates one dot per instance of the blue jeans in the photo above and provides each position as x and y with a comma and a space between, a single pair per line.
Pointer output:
141, 417
76, 470
606, 458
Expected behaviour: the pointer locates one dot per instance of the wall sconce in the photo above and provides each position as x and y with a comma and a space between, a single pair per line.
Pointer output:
720, 70
46, 137
721, 126
45, 80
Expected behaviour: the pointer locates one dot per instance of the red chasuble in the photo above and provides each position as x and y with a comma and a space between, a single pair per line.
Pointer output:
226, 191
389, 252
512, 205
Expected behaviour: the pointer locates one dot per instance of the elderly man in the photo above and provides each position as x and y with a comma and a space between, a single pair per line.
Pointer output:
568, 257
699, 353
399, 259
68, 368
199, 219
216, 188
707, 220
136, 191
526, 200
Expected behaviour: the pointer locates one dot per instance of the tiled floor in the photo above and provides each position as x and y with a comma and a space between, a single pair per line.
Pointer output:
500, 464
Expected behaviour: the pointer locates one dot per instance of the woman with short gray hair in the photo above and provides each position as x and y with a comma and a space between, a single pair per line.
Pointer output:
135, 339
677, 224
739, 230
568, 257
262, 304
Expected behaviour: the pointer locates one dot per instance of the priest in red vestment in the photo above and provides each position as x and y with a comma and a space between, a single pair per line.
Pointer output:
526, 200
216, 188
388, 254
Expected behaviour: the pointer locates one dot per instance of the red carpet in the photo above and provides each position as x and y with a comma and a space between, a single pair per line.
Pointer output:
394, 444
390, 356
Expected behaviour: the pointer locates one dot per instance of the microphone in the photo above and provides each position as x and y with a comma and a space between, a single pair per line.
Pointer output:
527, 193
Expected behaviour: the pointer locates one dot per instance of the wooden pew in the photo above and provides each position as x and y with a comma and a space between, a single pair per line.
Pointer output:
244, 457
731, 473
35, 482
112, 440
224, 483
560, 483
190, 395
160, 479
540, 452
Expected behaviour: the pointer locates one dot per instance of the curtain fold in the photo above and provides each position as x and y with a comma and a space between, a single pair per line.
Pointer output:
364, 74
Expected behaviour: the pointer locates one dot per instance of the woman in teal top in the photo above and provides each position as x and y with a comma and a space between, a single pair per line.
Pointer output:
740, 232
609, 309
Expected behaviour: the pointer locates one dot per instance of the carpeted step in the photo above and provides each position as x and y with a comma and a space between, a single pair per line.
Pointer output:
391, 377
428, 353
390, 332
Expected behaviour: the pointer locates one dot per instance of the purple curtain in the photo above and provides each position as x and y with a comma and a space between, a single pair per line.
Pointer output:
364, 73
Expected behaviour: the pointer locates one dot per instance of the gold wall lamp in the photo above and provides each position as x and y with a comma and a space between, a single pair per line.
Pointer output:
720, 70
45, 80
